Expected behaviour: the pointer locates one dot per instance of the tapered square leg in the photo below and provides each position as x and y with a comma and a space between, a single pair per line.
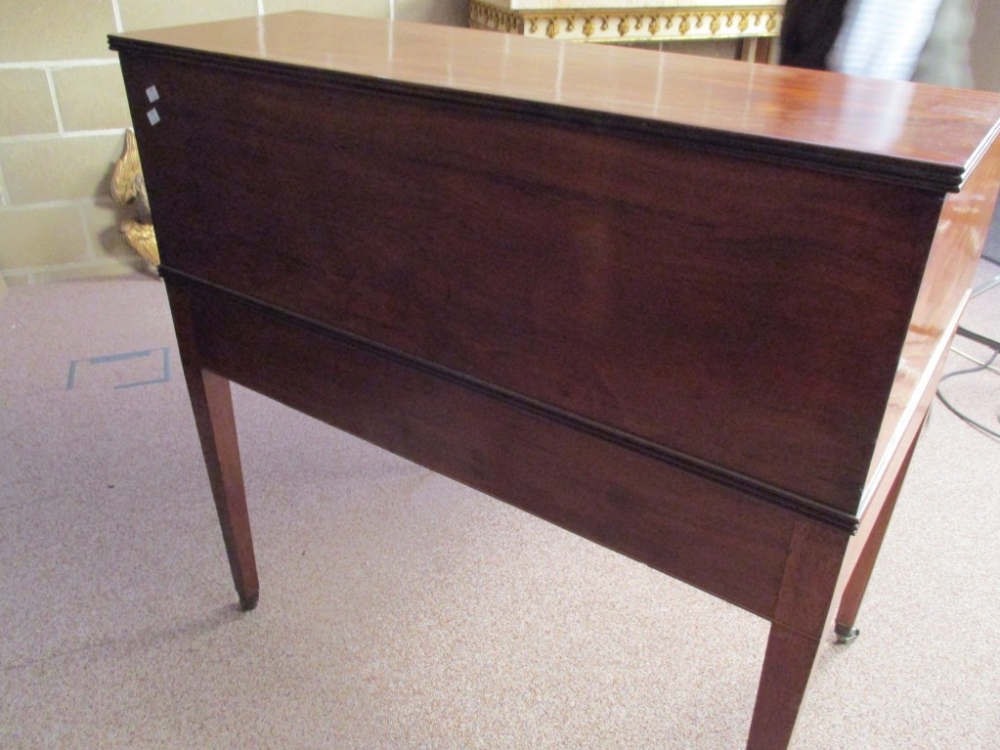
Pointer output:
788, 664
857, 584
801, 617
212, 403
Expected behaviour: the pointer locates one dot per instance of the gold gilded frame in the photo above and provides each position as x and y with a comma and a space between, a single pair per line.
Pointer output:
631, 25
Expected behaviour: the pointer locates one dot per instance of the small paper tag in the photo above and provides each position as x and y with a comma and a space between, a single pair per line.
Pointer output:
153, 115
152, 94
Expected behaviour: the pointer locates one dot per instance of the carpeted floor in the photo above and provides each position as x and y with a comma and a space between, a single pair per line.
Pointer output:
400, 610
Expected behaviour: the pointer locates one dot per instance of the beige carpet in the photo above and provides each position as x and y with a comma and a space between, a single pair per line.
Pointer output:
400, 610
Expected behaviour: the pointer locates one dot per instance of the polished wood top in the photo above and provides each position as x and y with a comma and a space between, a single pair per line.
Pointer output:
884, 129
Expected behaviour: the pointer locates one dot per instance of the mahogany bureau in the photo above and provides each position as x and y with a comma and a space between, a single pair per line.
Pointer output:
693, 310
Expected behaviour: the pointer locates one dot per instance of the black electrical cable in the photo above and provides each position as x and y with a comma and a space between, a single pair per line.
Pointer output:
979, 338
968, 420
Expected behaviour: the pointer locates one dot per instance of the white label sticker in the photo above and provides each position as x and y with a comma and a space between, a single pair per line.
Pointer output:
153, 115
152, 94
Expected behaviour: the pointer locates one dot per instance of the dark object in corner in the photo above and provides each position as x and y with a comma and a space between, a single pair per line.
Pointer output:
809, 31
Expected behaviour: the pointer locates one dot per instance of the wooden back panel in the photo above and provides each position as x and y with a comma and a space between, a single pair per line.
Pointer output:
718, 304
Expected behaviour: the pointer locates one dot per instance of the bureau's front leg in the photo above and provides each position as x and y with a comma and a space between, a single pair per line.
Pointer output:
212, 403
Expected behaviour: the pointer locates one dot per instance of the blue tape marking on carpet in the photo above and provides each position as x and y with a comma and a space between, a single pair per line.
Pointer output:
124, 356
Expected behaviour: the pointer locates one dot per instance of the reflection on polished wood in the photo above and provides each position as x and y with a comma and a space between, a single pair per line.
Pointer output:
692, 310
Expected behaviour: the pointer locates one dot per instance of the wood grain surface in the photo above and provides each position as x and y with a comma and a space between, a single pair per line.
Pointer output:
733, 311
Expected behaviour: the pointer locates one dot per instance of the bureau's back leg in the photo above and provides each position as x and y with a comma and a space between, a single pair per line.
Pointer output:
212, 403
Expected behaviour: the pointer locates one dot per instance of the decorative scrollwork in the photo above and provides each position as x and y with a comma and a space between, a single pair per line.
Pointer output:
650, 24
485, 16
129, 188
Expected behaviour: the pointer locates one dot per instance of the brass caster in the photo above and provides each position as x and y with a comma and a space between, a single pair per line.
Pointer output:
846, 634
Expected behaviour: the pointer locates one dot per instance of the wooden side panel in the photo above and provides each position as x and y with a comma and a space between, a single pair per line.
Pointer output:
710, 536
964, 223
748, 314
